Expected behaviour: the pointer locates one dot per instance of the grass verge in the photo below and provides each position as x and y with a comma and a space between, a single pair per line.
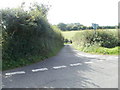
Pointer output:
99, 50
24, 62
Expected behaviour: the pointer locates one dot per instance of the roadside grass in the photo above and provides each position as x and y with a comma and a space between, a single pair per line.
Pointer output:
24, 62
99, 50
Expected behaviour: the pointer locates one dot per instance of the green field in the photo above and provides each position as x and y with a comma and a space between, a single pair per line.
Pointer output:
70, 34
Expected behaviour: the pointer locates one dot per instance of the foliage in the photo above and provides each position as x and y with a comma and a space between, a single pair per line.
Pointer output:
78, 26
99, 50
71, 26
99, 42
108, 39
62, 26
27, 35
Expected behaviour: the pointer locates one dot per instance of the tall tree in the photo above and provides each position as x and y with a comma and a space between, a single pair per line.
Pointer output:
62, 26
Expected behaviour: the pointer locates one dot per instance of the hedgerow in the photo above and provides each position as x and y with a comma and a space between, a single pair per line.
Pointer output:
27, 35
106, 38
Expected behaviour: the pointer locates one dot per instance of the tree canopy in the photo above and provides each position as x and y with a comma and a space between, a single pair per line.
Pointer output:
78, 26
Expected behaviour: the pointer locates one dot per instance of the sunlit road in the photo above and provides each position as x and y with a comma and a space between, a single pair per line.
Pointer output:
68, 69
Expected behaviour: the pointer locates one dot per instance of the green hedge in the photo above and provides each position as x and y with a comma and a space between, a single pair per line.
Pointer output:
103, 38
26, 36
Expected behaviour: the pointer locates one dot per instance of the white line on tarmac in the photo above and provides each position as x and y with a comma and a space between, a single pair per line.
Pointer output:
13, 73
41, 69
88, 62
116, 57
76, 64
57, 67
99, 60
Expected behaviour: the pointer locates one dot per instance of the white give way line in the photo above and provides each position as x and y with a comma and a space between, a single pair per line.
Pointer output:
57, 67
45, 69
41, 69
76, 64
13, 73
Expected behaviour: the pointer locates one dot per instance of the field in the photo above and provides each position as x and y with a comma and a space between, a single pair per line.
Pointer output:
76, 37
70, 34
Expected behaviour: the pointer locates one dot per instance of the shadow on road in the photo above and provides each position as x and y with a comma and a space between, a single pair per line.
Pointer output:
69, 77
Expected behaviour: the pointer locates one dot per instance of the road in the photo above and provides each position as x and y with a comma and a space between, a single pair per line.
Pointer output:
70, 68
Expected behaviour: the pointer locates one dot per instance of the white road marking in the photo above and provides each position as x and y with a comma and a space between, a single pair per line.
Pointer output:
57, 67
41, 69
7, 76
88, 62
13, 73
100, 60
86, 55
76, 64
116, 57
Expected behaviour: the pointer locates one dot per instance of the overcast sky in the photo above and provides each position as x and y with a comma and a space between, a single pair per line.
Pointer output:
102, 12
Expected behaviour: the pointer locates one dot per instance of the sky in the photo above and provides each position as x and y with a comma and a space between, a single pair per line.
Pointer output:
86, 12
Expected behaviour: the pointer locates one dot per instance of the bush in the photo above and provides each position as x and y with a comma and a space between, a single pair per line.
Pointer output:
108, 39
27, 34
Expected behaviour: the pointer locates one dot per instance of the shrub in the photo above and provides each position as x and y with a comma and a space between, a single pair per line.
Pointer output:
106, 38
27, 34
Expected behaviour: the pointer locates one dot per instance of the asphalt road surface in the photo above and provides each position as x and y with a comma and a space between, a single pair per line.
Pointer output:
70, 68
